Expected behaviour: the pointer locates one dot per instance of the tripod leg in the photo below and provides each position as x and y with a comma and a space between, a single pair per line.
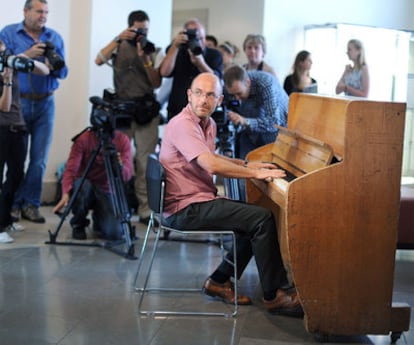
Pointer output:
68, 208
118, 197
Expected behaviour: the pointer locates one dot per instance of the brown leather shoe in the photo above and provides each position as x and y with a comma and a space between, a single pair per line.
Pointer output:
284, 304
224, 291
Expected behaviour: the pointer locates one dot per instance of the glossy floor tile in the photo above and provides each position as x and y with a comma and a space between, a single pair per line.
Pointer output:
73, 295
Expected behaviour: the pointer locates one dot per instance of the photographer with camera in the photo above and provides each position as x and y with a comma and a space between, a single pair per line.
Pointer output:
135, 60
187, 57
31, 38
263, 104
12, 132
95, 190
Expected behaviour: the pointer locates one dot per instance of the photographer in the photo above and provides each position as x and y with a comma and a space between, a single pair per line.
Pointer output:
12, 133
263, 104
37, 98
95, 192
135, 61
187, 57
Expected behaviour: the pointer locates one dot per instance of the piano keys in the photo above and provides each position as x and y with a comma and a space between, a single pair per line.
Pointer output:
337, 218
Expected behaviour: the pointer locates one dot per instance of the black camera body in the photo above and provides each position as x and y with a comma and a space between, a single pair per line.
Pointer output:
225, 140
193, 42
18, 63
141, 36
220, 113
106, 116
54, 58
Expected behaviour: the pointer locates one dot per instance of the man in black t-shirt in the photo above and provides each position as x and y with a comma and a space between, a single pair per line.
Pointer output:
187, 57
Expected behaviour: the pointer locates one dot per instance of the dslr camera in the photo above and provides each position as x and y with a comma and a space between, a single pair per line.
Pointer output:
18, 63
54, 58
193, 42
141, 36
106, 116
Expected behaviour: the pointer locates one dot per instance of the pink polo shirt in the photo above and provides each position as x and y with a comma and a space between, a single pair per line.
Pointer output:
183, 141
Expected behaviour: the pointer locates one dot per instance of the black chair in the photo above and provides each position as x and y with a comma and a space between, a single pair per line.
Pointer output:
156, 184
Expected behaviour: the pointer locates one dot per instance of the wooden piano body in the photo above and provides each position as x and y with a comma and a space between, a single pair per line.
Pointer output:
338, 222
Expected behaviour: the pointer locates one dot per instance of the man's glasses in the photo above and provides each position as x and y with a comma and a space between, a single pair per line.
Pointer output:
211, 96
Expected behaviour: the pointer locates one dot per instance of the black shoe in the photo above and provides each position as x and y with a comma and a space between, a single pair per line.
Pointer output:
78, 234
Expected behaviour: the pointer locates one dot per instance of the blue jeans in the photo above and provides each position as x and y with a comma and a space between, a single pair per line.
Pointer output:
104, 220
39, 118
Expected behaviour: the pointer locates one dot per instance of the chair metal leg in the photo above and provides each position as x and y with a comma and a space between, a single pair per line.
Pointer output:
143, 248
145, 289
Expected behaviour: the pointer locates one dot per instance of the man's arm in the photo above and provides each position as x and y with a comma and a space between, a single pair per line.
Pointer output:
151, 67
168, 64
69, 175
236, 168
123, 147
106, 53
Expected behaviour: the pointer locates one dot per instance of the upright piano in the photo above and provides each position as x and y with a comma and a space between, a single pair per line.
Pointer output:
337, 210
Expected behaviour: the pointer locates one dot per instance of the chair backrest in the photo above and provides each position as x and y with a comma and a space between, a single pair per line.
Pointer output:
155, 178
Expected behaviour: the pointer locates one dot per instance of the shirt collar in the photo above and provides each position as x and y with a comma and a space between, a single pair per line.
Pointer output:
20, 28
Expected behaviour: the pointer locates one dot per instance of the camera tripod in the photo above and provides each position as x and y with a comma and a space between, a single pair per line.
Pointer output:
226, 137
117, 193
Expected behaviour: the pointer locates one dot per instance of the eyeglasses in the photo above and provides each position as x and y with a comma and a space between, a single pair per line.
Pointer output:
211, 96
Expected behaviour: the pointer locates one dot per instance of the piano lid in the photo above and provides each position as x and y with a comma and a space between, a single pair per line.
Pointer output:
300, 154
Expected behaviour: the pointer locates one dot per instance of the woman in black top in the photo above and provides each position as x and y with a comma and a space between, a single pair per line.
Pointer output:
300, 80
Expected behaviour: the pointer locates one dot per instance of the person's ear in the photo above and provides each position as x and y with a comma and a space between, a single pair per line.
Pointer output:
220, 100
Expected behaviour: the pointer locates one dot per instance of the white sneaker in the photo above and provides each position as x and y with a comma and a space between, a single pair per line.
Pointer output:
5, 238
15, 227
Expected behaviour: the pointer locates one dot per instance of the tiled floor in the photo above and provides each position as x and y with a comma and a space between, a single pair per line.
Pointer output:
70, 295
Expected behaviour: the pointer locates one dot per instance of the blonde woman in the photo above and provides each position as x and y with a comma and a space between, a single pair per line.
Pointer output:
355, 79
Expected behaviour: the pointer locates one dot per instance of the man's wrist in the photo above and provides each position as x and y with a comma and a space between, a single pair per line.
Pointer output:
117, 39
148, 64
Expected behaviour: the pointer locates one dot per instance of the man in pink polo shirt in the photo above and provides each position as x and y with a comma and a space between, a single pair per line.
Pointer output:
191, 201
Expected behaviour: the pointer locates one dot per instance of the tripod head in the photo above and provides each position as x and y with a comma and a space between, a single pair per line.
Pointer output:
108, 116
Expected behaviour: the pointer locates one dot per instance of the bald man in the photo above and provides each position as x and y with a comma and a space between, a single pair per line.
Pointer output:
191, 201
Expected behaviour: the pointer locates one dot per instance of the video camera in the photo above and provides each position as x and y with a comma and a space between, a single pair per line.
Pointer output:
193, 42
54, 58
141, 36
225, 129
107, 116
18, 63
220, 114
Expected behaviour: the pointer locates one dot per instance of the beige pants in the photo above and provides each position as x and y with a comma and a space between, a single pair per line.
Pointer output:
145, 139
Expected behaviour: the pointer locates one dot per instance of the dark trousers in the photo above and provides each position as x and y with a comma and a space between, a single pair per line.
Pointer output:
12, 156
256, 235
104, 220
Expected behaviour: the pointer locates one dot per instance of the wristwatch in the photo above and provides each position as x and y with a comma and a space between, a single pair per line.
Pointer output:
117, 40
247, 122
